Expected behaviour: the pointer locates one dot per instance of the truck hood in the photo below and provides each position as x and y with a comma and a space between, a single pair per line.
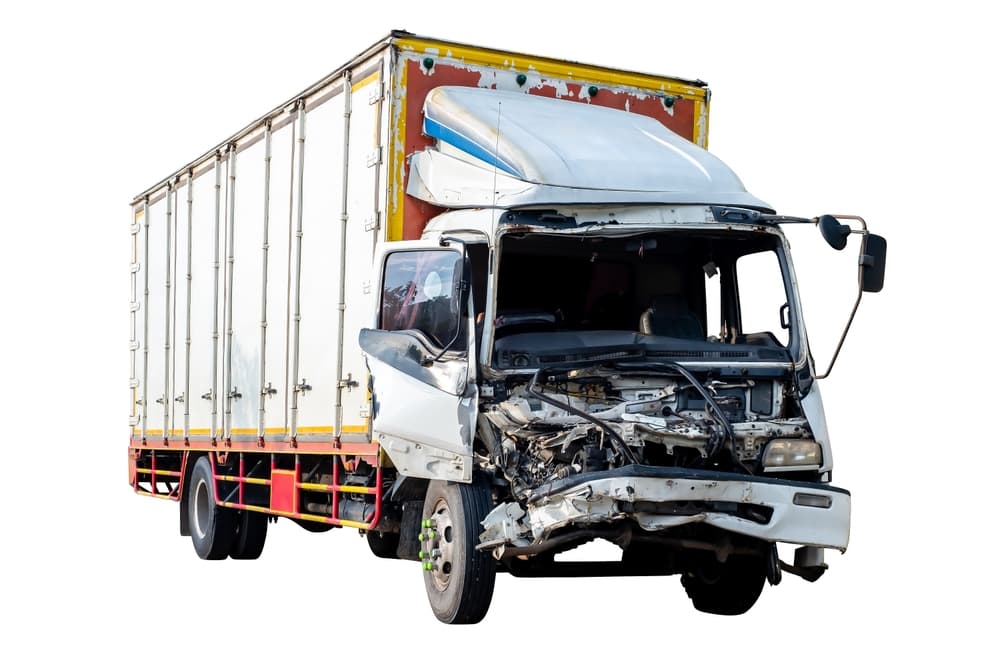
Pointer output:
511, 149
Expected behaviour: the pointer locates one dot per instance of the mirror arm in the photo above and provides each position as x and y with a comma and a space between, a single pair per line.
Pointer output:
861, 267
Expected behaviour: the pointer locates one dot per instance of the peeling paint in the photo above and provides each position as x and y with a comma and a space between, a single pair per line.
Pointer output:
473, 66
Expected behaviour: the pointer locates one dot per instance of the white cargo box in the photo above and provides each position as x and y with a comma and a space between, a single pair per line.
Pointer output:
251, 264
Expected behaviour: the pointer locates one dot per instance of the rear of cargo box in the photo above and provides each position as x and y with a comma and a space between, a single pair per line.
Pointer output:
251, 265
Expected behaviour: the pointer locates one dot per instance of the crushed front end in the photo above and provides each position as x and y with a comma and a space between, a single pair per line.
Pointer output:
647, 415
646, 453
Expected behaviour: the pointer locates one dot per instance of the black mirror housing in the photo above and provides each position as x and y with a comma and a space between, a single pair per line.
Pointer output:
833, 232
873, 263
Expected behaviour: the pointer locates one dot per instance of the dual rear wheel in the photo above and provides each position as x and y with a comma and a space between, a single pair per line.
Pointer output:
220, 532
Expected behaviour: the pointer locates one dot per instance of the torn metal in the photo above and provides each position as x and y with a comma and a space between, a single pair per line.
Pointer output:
603, 445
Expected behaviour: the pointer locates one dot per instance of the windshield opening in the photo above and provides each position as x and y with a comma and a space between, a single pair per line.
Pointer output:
667, 292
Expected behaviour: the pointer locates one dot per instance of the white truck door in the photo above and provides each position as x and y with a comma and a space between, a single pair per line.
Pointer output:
424, 394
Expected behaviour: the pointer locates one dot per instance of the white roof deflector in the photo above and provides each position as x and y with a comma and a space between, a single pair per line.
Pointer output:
550, 151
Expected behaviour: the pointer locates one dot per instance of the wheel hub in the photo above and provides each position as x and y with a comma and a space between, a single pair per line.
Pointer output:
437, 545
202, 508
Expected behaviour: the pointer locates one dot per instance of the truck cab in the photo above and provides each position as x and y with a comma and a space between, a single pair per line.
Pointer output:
603, 337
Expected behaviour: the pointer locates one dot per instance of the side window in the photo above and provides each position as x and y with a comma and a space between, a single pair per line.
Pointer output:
762, 295
420, 291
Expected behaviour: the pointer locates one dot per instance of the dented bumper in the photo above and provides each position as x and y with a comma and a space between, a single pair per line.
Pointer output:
659, 498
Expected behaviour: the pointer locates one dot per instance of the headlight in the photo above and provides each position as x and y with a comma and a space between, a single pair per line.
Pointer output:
789, 455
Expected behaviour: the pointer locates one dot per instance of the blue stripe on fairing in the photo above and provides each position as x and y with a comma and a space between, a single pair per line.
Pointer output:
433, 128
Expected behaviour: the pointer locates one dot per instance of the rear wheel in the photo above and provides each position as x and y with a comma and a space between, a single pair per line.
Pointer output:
213, 528
727, 589
459, 579
251, 531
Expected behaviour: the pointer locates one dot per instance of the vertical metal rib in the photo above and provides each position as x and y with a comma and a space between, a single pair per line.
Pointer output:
288, 277
173, 317
263, 282
214, 391
145, 318
338, 422
297, 316
167, 318
227, 376
376, 214
187, 333
133, 321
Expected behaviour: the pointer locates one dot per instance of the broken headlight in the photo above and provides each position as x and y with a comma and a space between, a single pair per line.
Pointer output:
792, 454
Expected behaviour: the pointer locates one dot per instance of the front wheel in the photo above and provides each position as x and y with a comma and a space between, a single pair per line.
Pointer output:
727, 589
459, 579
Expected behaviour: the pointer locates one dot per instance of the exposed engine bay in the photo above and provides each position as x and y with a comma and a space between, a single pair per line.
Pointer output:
646, 442
560, 424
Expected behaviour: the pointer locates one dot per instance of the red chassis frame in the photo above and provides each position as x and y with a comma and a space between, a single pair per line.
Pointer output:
167, 463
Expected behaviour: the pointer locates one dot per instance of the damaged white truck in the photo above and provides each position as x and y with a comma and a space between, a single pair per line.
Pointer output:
594, 333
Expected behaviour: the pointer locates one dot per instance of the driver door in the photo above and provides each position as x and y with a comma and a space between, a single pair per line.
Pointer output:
424, 394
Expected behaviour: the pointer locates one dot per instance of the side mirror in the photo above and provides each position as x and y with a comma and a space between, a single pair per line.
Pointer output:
833, 232
873, 263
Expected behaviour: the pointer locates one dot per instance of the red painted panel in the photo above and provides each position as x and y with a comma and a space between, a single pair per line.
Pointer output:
283, 491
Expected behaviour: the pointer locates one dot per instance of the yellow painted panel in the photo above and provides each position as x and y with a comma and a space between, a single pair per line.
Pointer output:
397, 159
361, 83
316, 429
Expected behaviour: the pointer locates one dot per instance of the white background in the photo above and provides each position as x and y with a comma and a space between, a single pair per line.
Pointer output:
883, 110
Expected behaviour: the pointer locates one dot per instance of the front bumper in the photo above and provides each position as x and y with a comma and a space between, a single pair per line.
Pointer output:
659, 498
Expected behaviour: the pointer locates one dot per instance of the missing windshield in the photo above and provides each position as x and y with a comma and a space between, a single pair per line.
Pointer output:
689, 294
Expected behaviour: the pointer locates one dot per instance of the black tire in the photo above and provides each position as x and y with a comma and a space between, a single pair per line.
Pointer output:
460, 585
644, 559
213, 528
314, 526
383, 545
726, 589
251, 532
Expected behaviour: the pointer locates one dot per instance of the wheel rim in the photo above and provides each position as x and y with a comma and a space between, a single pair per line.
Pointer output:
442, 546
202, 508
